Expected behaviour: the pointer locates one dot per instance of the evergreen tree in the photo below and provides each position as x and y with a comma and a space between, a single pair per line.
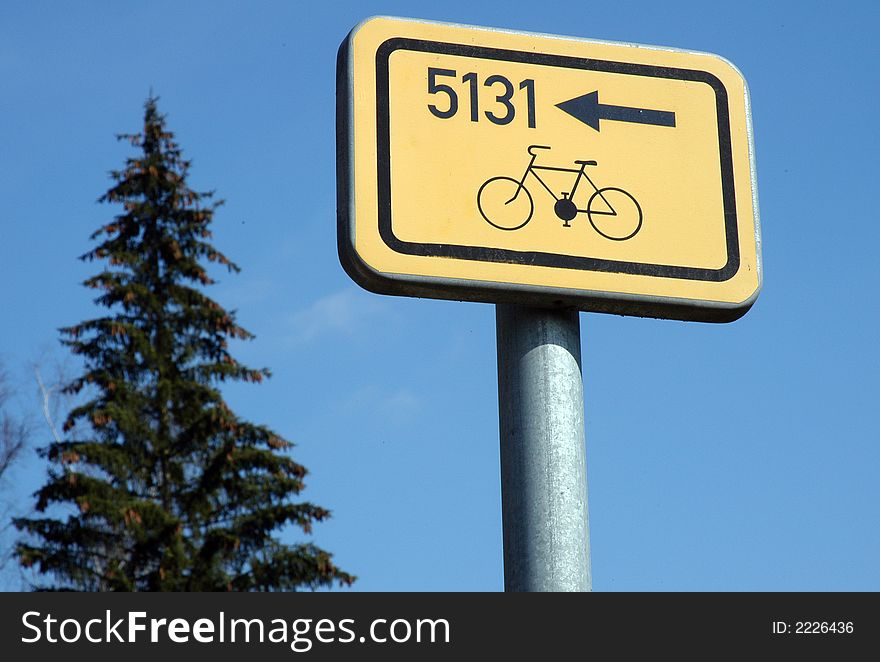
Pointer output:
170, 490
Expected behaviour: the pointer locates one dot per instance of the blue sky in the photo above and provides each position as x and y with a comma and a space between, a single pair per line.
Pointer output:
720, 457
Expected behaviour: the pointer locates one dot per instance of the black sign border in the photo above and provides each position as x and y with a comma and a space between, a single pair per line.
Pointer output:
536, 258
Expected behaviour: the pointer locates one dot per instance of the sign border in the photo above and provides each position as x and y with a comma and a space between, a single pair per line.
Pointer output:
537, 258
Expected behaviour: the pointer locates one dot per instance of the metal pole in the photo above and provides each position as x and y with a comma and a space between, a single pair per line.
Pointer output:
543, 454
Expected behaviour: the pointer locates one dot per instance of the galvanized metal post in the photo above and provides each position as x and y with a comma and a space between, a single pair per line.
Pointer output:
543, 454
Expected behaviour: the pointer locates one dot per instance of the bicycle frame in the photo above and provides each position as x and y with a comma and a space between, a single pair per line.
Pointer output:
579, 173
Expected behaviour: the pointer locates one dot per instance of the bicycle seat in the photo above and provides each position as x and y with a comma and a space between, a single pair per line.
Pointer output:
586, 163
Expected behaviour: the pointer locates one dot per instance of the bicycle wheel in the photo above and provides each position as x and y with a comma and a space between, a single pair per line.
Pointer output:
504, 203
616, 215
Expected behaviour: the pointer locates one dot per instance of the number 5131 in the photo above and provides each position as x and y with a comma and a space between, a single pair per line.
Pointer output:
504, 102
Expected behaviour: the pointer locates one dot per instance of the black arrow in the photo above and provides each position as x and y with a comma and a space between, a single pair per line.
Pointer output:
588, 110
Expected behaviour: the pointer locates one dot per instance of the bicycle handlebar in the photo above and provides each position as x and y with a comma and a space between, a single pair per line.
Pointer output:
531, 147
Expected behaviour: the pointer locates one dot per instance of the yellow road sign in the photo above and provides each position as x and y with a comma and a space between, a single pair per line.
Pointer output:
489, 165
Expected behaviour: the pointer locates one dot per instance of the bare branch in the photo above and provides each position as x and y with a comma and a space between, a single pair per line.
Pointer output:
13, 433
14, 437
46, 394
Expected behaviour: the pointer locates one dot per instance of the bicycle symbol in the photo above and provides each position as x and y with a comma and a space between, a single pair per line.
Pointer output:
506, 203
